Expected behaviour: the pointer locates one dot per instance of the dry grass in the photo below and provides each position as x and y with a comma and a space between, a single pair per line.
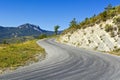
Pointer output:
116, 52
15, 55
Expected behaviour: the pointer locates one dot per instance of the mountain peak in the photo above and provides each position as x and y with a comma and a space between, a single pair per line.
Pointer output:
29, 26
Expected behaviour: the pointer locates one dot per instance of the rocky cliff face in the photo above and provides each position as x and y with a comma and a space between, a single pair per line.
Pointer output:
104, 36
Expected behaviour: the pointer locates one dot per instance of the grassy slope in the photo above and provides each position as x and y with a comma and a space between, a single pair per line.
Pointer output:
89, 22
15, 55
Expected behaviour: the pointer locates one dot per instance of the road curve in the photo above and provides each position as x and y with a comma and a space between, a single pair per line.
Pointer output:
65, 62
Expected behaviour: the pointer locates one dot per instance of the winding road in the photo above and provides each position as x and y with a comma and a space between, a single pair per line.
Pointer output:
65, 62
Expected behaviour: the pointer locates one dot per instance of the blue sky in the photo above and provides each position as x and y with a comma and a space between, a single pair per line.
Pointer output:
48, 13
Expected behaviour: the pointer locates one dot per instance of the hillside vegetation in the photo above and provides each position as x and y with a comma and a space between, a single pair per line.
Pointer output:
116, 52
14, 55
101, 32
109, 13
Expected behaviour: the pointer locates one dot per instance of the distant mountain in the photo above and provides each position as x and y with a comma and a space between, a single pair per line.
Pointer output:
22, 30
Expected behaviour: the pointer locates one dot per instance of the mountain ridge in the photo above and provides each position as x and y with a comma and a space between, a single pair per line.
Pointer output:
26, 29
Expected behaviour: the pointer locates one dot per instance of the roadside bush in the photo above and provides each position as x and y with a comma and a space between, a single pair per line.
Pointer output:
42, 36
116, 51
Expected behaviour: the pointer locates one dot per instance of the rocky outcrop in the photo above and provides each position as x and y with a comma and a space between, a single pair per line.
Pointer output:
95, 37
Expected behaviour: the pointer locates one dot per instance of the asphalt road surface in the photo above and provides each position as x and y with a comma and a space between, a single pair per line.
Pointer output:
65, 62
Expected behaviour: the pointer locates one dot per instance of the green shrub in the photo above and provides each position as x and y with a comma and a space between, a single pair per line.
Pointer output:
116, 51
5, 42
108, 28
89, 41
112, 34
42, 36
117, 20
104, 16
